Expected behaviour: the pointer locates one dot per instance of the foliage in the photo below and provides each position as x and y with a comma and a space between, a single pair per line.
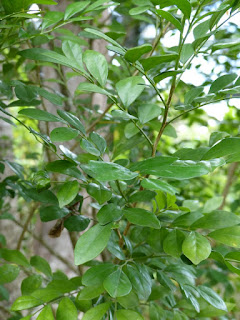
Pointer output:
157, 243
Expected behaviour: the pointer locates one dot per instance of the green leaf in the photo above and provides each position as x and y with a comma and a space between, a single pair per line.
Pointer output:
187, 52
63, 134
122, 115
216, 220
96, 274
40, 115
192, 94
141, 281
51, 18
172, 244
8, 273
138, 10
72, 120
166, 74
66, 310
216, 136
46, 314
90, 292
133, 54
25, 93
229, 236
212, 204
25, 302
30, 284
154, 184
99, 192
108, 171
92, 243
97, 312
89, 147
67, 193
117, 284
99, 141
129, 89
14, 256
152, 62
45, 55
152, 164
75, 8
104, 36
196, 248
97, 65
170, 17
128, 314
201, 30
142, 196
76, 223
109, 213
222, 82
212, 297
142, 217
225, 147
73, 53
50, 213
148, 112
90, 87
184, 6
41, 265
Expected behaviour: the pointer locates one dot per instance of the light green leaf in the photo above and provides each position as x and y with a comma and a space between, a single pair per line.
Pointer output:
217, 136
229, 236
90, 292
108, 171
129, 89
212, 297
184, 6
216, 220
212, 204
14, 256
67, 193
154, 184
192, 94
142, 217
222, 82
41, 265
152, 62
25, 302
51, 18
66, 310
128, 314
72, 120
75, 8
122, 115
99, 192
90, 87
109, 213
92, 243
133, 54
8, 273
148, 112
97, 312
63, 134
117, 284
73, 52
99, 141
196, 248
225, 147
89, 147
138, 10
169, 17
187, 52
46, 314
97, 65
104, 36
30, 284
40, 115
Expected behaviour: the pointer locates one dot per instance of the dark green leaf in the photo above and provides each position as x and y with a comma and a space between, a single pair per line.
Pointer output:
75, 8
63, 134
14, 256
212, 297
99, 141
96, 275
97, 65
38, 114
154, 184
169, 17
133, 54
99, 192
50, 213
172, 244
141, 281
152, 62
148, 112
8, 273
76, 223
90, 87
73, 53
30, 284
41, 265
109, 213
222, 82
72, 120
225, 147
166, 74
117, 284
67, 193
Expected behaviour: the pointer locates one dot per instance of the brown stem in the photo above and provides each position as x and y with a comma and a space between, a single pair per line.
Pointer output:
25, 226
40, 240
230, 179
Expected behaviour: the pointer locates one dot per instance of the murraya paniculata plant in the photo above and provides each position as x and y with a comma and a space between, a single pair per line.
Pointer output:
96, 98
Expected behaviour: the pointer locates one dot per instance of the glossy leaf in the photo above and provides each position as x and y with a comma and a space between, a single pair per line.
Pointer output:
25, 302
152, 62
40, 115
99, 192
142, 217
92, 243
196, 248
225, 147
66, 310
172, 244
75, 8
67, 193
90, 87
96, 274
41, 265
229, 236
222, 82
212, 297
97, 312
148, 112
63, 134
117, 284
169, 17
72, 120
46, 314
154, 184
133, 54
109, 213
128, 314
8, 273
14, 256
76, 223
97, 65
